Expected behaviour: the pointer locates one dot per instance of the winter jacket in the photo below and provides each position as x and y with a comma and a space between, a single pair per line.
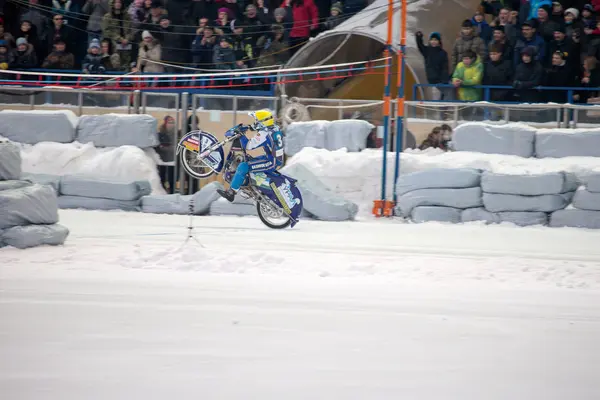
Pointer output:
111, 62
26, 59
117, 29
559, 76
202, 53
96, 12
65, 33
253, 29
566, 46
594, 82
471, 75
507, 50
464, 43
242, 47
272, 52
536, 42
93, 64
498, 74
147, 54
527, 77
59, 60
223, 58
436, 62
546, 30
305, 17
6, 59
483, 29
37, 18
332, 22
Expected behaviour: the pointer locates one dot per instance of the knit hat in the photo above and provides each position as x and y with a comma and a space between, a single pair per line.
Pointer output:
573, 11
163, 17
467, 23
146, 34
337, 6
561, 54
250, 7
435, 35
530, 23
21, 41
560, 28
279, 11
94, 43
529, 50
589, 7
223, 9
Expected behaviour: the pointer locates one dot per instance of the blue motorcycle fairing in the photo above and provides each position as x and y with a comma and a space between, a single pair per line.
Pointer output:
282, 190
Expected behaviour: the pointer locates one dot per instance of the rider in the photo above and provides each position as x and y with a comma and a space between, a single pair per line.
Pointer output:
270, 138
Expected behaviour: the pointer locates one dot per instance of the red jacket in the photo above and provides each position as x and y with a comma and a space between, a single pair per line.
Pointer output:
305, 17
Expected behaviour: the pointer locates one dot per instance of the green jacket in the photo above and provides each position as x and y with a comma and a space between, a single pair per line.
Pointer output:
470, 76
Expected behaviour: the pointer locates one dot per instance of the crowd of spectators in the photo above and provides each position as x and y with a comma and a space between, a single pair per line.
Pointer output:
523, 44
157, 36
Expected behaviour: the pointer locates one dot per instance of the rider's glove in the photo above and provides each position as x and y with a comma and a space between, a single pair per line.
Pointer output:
231, 132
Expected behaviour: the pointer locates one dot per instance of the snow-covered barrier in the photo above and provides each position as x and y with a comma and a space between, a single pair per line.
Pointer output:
586, 200
567, 143
438, 178
72, 185
240, 207
529, 185
515, 217
509, 139
575, 218
114, 130
592, 182
437, 214
97, 203
8, 185
33, 204
10, 161
496, 202
455, 198
330, 135
178, 204
33, 127
320, 201
44, 179
23, 237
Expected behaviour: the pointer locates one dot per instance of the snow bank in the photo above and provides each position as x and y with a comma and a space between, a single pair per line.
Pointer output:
121, 164
38, 126
10, 161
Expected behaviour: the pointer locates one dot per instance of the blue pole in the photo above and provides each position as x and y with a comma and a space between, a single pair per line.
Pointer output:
400, 103
386, 119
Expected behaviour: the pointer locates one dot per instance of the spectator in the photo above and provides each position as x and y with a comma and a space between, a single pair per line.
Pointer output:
202, 9
588, 15
560, 74
482, 28
24, 56
283, 18
110, 59
117, 26
37, 18
202, 48
167, 135
58, 31
305, 20
232, 7
241, 44
546, 26
263, 12
509, 29
62, 7
6, 55
137, 13
530, 38
9, 39
92, 63
492, 7
335, 18
529, 74
273, 48
593, 41
29, 31
223, 55
436, 61
468, 73
434, 140
170, 40
468, 41
565, 45
252, 26
590, 79
529, 9
59, 58
498, 71
501, 41
149, 55
558, 12
573, 25
96, 9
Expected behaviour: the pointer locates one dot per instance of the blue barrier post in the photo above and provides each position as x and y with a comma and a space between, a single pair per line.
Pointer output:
400, 101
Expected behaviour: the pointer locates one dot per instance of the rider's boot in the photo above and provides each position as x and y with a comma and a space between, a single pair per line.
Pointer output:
229, 194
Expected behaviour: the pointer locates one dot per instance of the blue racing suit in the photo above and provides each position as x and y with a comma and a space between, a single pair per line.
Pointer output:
271, 140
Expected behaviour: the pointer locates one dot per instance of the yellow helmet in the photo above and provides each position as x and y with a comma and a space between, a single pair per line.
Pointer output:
262, 118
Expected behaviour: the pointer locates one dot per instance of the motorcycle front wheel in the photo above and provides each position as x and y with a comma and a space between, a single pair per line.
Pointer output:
271, 217
194, 167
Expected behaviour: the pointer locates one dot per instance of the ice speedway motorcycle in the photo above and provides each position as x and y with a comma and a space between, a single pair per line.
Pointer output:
277, 198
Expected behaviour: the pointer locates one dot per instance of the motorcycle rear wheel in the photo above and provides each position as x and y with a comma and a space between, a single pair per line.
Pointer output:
270, 218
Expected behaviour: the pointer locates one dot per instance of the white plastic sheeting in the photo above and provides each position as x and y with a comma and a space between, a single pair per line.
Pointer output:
72, 185
97, 203
509, 139
10, 161
438, 214
567, 143
44, 179
319, 200
455, 198
330, 135
529, 185
34, 204
114, 130
586, 200
23, 237
178, 204
33, 127
8, 185
592, 183
442, 178
495, 202
575, 218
